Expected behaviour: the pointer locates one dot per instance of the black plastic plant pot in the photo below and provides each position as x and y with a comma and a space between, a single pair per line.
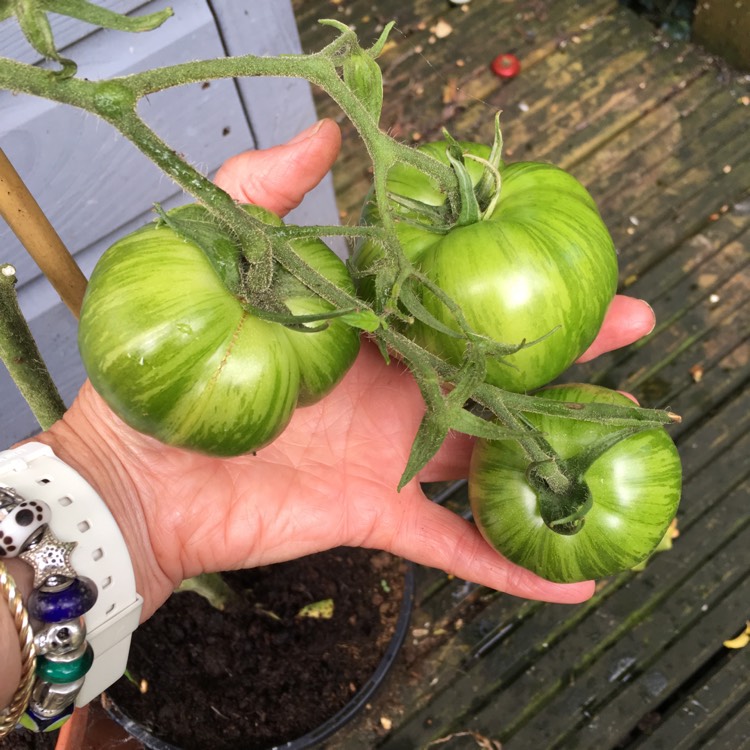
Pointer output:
329, 726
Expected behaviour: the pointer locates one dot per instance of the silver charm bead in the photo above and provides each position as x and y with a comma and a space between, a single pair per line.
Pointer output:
48, 556
57, 638
48, 699
68, 656
20, 521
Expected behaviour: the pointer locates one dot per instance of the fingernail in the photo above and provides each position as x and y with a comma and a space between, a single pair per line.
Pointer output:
653, 316
308, 132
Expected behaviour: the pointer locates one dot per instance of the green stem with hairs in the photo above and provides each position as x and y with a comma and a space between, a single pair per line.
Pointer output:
115, 100
21, 356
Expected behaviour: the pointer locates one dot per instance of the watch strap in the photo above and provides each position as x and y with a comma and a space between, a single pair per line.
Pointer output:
79, 515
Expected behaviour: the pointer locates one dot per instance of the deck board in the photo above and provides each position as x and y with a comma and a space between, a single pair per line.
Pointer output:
658, 131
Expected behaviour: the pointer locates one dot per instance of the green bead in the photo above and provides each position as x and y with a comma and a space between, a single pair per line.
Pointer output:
58, 672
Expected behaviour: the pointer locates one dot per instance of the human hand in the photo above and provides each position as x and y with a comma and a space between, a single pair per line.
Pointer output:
330, 479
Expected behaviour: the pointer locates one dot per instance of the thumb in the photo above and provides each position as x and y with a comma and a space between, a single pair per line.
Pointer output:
278, 178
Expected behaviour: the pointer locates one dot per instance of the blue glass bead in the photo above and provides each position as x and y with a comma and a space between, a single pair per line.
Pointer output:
66, 604
58, 672
36, 723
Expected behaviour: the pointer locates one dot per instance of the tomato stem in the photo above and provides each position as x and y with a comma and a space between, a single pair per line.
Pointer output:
21, 356
344, 71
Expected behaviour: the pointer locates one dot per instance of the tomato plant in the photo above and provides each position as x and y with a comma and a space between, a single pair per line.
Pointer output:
537, 264
180, 353
623, 495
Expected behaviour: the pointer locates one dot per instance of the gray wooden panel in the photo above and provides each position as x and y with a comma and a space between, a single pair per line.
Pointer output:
277, 108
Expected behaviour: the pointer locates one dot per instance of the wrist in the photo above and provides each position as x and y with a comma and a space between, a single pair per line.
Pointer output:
94, 447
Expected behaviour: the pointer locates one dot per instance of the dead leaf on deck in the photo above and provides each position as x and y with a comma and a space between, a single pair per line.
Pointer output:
450, 90
442, 29
322, 610
742, 640
485, 743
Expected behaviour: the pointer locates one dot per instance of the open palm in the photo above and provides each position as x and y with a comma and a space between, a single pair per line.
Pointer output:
330, 479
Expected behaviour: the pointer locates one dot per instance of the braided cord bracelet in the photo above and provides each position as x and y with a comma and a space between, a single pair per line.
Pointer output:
10, 716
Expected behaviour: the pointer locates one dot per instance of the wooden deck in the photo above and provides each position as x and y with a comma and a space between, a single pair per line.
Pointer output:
660, 133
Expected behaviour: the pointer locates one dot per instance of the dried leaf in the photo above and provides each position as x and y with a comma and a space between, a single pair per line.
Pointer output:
442, 29
322, 610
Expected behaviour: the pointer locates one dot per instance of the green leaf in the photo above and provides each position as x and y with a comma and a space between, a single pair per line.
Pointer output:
322, 610
36, 28
195, 224
486, 190
469, 211
430, 436
472, 424
363, 76
365, 320
377, 48
413, 304
98, 16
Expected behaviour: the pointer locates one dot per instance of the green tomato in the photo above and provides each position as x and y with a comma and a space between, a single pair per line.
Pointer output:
178, 356
634, 485
542, 264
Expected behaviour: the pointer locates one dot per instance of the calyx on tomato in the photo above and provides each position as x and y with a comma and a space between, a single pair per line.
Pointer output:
524, 255
184, 347
622, 494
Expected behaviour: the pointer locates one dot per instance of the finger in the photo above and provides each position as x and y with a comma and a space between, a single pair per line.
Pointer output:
278, 178
627, 320
428, 534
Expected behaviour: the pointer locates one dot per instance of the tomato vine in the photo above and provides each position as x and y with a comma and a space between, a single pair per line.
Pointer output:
350, 75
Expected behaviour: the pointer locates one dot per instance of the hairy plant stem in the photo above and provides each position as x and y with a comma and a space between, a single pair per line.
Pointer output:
21, 356
115, 100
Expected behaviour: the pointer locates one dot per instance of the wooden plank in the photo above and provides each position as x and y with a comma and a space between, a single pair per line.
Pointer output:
413, 100
642, 668
710, 704
569, 681
276, 108
699, 351
517, 649
48, 143
666, 121
734, 734
696, 182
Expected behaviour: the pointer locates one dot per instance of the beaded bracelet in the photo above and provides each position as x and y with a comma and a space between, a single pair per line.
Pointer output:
57, 604
10, 715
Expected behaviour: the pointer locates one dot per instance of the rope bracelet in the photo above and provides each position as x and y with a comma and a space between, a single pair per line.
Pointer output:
75, 628
10, 715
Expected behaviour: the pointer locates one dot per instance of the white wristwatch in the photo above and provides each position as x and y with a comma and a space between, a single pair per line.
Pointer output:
79, 515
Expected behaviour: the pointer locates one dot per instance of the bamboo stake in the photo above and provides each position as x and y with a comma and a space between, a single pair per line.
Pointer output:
28, 222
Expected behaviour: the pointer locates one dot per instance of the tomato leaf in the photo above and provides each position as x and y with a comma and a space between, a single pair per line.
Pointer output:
364, 77
195, 224
98, 16
413, 304
36, 28
469, 211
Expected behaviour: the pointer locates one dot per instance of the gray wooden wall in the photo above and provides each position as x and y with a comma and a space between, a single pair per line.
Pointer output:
94, 186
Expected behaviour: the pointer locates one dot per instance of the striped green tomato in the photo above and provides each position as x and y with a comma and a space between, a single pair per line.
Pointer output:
178, 356
542, 263
635, 487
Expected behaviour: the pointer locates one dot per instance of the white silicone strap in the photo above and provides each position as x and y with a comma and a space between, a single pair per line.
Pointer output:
80, 515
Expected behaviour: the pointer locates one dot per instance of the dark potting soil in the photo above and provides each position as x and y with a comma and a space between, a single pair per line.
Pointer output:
21, 739
261, 674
